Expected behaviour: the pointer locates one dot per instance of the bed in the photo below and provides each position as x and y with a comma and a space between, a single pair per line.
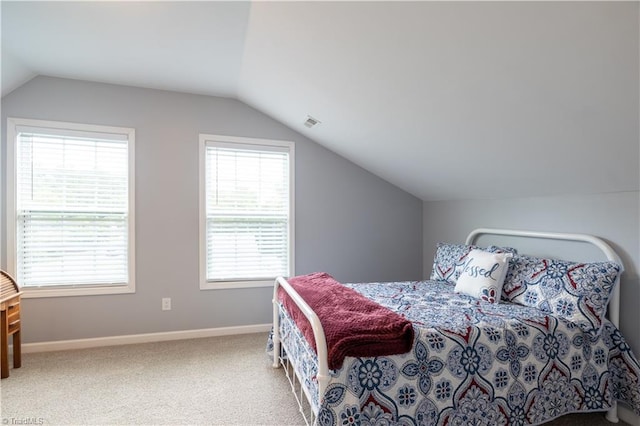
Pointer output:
536, 348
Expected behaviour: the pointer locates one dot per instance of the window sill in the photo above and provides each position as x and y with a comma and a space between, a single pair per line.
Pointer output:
220, 285
41, 292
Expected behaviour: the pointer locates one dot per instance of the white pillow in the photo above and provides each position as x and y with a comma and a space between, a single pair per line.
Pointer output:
482, 275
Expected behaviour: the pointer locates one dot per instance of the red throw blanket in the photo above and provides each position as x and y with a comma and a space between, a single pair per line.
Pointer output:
353, 325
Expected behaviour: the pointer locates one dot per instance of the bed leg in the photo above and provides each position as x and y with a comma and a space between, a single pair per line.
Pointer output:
276, 363
276, 345
612, 414
323, 382
276, 327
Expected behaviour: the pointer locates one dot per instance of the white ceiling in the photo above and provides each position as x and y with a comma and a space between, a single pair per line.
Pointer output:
447, 100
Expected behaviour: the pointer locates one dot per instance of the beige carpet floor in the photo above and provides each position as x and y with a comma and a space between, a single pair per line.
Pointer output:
211, 381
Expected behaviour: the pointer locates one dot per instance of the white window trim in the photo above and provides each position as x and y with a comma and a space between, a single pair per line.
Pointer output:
204, 138
11, 204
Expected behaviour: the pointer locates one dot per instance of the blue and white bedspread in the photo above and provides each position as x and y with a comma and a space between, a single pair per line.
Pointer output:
472, 363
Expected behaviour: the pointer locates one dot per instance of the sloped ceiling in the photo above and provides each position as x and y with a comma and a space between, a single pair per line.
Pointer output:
447, 100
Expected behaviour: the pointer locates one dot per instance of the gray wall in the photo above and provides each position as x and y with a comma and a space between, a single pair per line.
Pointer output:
348, 222
614, 217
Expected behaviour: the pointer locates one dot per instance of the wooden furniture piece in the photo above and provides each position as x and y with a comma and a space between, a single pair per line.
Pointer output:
10, 307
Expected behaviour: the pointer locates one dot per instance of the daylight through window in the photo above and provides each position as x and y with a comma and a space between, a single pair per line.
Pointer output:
247, 210
73, 212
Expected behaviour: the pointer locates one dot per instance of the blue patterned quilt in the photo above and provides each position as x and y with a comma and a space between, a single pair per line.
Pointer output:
472, 363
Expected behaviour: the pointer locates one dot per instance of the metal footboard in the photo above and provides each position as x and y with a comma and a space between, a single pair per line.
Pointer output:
297, 388
279, 352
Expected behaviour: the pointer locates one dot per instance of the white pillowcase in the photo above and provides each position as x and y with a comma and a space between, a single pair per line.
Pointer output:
482, 275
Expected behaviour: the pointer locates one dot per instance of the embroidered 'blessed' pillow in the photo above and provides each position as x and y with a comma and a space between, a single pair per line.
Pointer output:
482, 275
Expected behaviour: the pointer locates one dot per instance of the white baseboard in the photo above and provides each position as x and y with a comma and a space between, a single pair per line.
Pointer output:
63, 345
628, 416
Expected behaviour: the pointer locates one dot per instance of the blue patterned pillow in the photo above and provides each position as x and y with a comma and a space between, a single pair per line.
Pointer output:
450, 258
578, 292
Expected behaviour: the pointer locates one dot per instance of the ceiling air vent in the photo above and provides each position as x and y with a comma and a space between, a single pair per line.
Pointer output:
311, 122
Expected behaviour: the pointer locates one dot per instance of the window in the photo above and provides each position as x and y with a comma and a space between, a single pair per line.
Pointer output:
70, 207
246, 211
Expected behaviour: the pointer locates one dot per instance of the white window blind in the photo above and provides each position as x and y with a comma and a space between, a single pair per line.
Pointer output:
72, 207
247, 202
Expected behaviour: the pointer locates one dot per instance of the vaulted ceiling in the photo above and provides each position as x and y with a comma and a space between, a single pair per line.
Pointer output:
447, 100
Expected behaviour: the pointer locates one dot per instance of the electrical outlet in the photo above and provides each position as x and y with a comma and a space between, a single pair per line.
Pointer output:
166, 303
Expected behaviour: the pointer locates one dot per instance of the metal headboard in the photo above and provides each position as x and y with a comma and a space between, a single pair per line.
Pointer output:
614, 301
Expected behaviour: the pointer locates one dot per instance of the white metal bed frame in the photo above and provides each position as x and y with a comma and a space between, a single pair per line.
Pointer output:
323, 374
